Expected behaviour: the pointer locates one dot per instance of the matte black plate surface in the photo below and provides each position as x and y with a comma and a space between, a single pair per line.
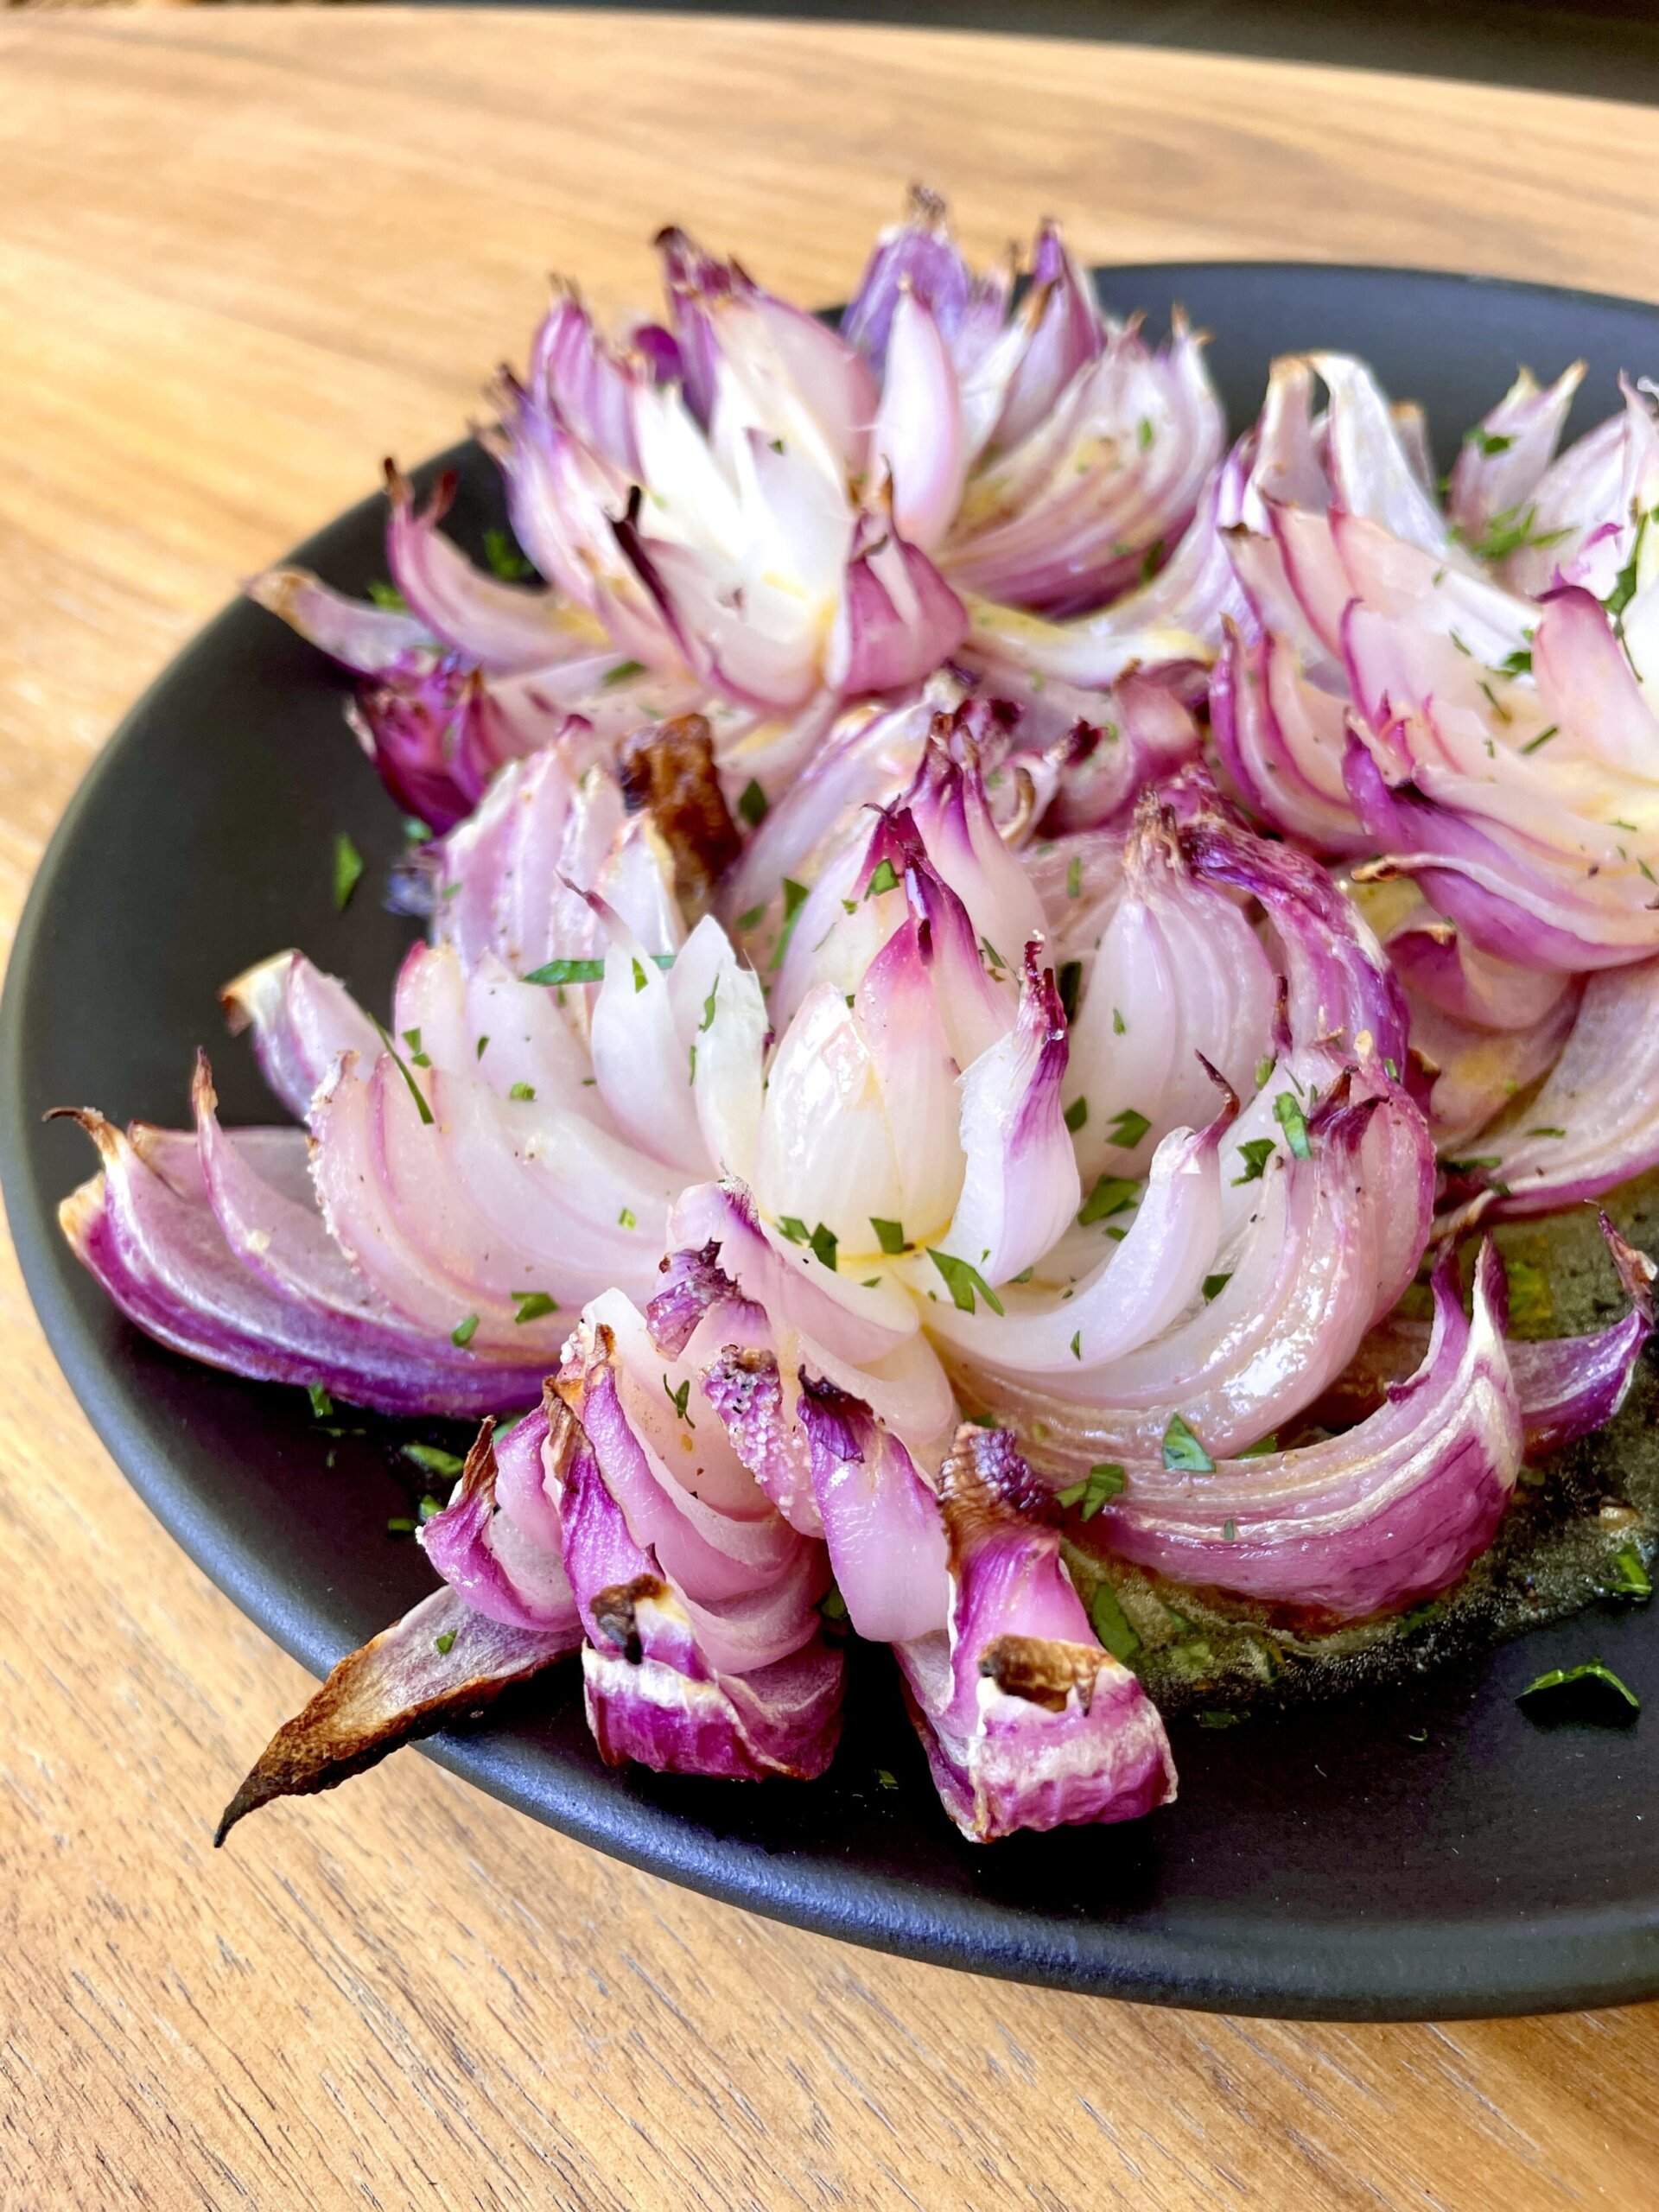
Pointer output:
1320, 1863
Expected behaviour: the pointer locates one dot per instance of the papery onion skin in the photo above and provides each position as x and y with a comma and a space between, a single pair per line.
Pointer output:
441, 1662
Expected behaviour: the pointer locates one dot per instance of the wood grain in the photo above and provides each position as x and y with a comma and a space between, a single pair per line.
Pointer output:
243, 255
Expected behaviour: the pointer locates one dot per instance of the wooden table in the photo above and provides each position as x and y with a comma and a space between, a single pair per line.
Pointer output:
242, 255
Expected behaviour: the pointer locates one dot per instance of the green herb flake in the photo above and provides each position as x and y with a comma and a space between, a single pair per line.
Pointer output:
522, 1090
400, 1525
429, 1507
824, 1247
1254, 1152
1111, 1624
1217, 1717
1264, 1068
1293, 1123
1229, 1531
624, 670
832, 1607
795, 1229
387, 597
463, 1332
1475, 1160
1630, 1575
1531, 1303
1489, 443
321, 1404
1592, 1670
433, 1460
444, 1642
504, 559
533, 1306
1519, 663
1076, 1345
414, 1090
483, 1044
794, 900
1542, 738
1098, 1487
962, 1280
348, 870
1120, 1027
567, 971
1074, 877
887, 1779
626, 1220
889, 1235
1214, 1285
1126, 1131
679, 1400
640, 978
883, 878
707, 1021
1183, 1450
1069, 984
991, 957
1623, 590
751, 920
1111, 1194
1151, 560
1076, 1115
751, 803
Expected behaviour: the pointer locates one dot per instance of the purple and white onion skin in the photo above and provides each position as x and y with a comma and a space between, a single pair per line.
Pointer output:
1567, 1386
1026, 1722
1385, 1515
704, 1652
1595, 1122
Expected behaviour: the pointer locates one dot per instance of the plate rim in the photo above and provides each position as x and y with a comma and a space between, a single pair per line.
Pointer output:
1571, 1959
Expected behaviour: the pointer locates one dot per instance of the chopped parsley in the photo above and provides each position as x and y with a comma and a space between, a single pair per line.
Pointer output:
533, 1306
1098, 1487
1630, 1576
640, 977
1264, 1068
824, 1250
1111, 1194
1183, 1450
1219, 1717
624, 670
348, 870
1120, 1027
962, 1280
463, 1332
1074, 877
1254, 1152
679, 1399
1519, 663
794, 1228
387, 597
1293, 1123
504, 559
1111, 1624
1126, 1131
1542, 738
889, 1235
883, 878
400, 1525
991, 957
1214, 1285
523, 1090
794, 900
626, 1220
417, 1058
1509, 531
433, 1460
751, 803
321, 1404
1489, 443
1076, 1345
1560, 1678
1143, 433
444, 1642
707, 1021
1076, 1115
749, 920
567, 971
414, 1090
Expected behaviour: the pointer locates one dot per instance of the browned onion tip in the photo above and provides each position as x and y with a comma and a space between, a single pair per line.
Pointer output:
669, 771
441, 1663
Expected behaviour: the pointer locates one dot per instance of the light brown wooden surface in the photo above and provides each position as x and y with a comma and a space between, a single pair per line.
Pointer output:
241, 256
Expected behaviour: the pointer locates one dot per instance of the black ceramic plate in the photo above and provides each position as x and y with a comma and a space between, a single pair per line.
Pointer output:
1318, 1864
